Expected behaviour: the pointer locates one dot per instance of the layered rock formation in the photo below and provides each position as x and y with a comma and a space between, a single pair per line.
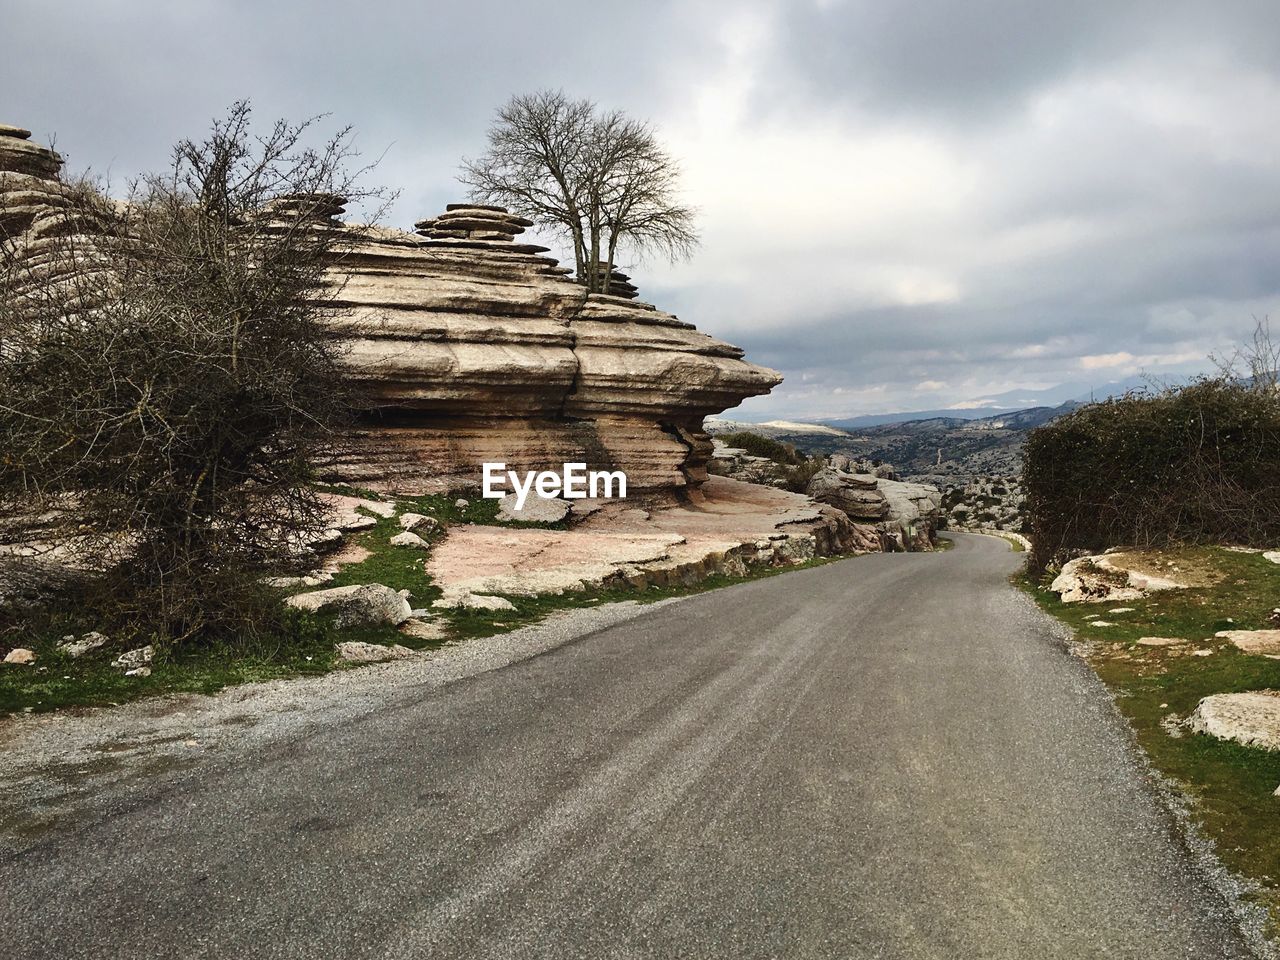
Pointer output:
469, 346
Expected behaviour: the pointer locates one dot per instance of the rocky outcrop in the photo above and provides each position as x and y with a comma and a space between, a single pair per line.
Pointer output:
1252, 719
470, 346
906, 514
1107, 578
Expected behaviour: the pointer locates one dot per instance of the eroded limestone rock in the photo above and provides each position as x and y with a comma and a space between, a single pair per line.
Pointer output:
357, 605
1252, 719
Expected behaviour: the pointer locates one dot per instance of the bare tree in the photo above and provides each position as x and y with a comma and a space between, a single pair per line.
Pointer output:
600, 180
1256, 362
168, 380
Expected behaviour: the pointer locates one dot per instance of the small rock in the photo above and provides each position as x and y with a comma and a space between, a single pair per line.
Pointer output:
355, 651
410, 539
477, 601
1272, 555
461, 504
359, 523
535, 510
1102, 623
1202, 653
358, 605
133, 659
78, 648
413, 522
20, 656
1160, 641
422, 629
143, 671
1121, 610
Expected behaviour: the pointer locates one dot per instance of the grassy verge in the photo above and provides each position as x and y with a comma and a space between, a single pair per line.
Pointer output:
56, 681
1231, 787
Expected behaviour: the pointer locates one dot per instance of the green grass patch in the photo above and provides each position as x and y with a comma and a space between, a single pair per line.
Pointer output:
1231, 786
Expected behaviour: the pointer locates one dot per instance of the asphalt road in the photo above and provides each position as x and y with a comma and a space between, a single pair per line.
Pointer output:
885, 757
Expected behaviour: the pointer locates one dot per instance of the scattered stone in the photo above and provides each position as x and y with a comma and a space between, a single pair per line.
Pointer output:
133, 659
421, 629
1171, 723
1202, 653
1101, 623
355, 651
409, 539
313, 579
461, 504
143, 671
1161, 641
414, 522
78, 648
1118, 610
1104, 578
358, 605
20, 656
536, 509
476, 601
361, 522
1272, 555
1265, 643
1252, 719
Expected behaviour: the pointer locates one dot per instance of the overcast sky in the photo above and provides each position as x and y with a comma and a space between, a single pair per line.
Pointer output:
904, 205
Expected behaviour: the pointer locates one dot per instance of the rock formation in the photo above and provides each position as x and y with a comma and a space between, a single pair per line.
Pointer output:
470, 346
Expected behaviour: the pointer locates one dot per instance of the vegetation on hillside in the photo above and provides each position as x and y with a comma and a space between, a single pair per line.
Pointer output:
794, 469
168, 385
1194, 464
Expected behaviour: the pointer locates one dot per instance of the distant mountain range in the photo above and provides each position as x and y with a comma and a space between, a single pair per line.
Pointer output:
944, 448
998, 404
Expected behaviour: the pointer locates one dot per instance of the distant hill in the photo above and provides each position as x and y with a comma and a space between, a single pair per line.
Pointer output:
970, 446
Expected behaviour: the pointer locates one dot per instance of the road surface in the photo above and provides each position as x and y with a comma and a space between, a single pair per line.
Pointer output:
885, 757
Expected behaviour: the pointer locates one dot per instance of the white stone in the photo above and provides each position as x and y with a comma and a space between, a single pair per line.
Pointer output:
1265, 643
357, 605
143, 671
409, 539
132, 659
355, 651
423, 629
535, 510
461, 504
1272, 555
476, 601
414, 522
78, 648
20, 656
1161, 641
1252, 719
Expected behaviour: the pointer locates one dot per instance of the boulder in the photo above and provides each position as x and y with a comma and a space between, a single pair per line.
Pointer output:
74, 648
1252, 719
364, 604
355, 651
409, 539
536, 509
417, 522
20, 656
858, 495
135, 659
915, 510
1105, 579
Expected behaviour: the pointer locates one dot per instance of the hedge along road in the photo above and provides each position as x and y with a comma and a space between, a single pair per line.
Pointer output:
883, 757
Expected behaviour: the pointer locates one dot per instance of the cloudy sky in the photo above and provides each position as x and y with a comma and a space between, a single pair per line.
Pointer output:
904, 205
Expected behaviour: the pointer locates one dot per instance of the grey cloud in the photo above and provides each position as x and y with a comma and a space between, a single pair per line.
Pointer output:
1143, 223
